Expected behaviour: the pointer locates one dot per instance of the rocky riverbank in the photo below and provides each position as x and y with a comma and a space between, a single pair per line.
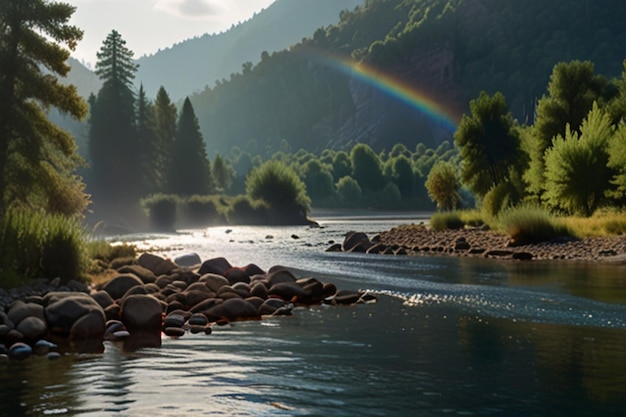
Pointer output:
421, 240
150, 298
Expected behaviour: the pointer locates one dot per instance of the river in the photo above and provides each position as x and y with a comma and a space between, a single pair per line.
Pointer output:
447, 337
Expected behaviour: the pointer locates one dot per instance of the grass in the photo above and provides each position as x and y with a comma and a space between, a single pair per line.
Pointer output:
531, 224
603, 223
446, 220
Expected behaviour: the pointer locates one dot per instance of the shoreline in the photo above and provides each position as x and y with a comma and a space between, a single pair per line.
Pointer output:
417, 240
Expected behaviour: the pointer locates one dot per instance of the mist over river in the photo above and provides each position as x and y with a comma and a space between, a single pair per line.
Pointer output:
447, 337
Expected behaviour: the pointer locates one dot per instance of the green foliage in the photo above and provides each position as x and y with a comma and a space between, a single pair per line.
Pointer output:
151, 174
39, 245
161, 210
103, 250
617, 162
489, 143
573, 89
530, 224
246, 211
449, 220
366, 169
570, 186
279, 186
190, 169
201, 211
37, 158
165, 130
318, 180
500, 197
443, 186
223, 173
349, 191
113, 141
402, 172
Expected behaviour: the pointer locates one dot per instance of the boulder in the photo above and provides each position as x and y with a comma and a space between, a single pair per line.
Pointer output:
214, 281
33, 328
288, 291
258, 289
278, 276
103, 298
356, 242
89, 326
235, 275
118, 286
231, 310
252, 269
215, 266
64, 312
20, 351
156, 264
20, 310
335, 247
141, 313
144, 274
193, 297
188, 260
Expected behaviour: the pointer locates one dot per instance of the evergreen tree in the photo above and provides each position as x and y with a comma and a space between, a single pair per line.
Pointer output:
489, 143
37, 158
190, 170
113, 143
151, 176
223, 173
165, 125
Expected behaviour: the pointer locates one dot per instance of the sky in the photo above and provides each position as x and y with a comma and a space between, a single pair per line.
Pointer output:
150, 25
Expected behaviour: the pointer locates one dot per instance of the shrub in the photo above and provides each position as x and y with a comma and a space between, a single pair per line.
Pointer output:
201, 211
446, 220
349, 191
531, 224
105, 251
443, 186
279, 186
245, 211
39, 245
161, 210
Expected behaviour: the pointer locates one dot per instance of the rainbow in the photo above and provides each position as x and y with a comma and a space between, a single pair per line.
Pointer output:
400, 90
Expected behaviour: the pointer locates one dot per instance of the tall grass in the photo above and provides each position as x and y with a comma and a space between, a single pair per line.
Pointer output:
603, 223
531, 224
446, 220
39, 245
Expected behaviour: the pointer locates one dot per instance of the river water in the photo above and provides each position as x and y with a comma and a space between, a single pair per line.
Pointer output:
447, 337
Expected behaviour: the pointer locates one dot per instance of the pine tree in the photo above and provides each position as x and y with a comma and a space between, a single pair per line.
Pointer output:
190, 170
37, 158
165, 126
113, 144
151, 176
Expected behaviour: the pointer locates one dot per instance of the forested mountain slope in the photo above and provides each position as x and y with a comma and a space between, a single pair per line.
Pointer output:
446, 51
191, 65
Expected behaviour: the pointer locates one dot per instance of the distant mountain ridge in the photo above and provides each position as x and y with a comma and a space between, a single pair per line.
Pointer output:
195, 63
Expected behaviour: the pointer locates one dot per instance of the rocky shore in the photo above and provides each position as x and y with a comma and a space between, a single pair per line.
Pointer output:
150, 298
421, 240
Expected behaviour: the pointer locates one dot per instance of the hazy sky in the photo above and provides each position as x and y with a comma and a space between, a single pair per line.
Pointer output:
150, 25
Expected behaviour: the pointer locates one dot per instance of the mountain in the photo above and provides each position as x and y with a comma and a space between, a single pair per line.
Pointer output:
195, 63
435, 55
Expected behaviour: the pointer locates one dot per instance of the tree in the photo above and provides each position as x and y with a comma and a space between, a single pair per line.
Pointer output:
402, 174
278, 185
572, 90
577, 176
151, 175
443, 186
349, 191
366, 169
37, 158
617, 162
318, 180
489, 143
190, 169
113, 142
165, 126
223, 173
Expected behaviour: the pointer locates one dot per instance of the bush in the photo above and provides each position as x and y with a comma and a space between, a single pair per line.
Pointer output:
450, 220
245, 211
201, 211
161, 210
279, 186
349, 191
531, 224
39, 245
443, 186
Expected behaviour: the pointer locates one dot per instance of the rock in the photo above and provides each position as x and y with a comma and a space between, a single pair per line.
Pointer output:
498, 253
52, 356
288, 291
215, 266
193, 297
232, 309
198, 320
376, 248
118, 286
144, 274
174, 331
141, 313
174, 320
205, 305
335, 247
199, 286
523, 256
188, 260
103, 298
214, 281
20, 310
270, 305
235, 275
278, 276
253, 269
113, 312
329, 289
89, 326
33, 328
63, 313
156, 264
258, 289
163, 281
20, 351
43, 347
356, 242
